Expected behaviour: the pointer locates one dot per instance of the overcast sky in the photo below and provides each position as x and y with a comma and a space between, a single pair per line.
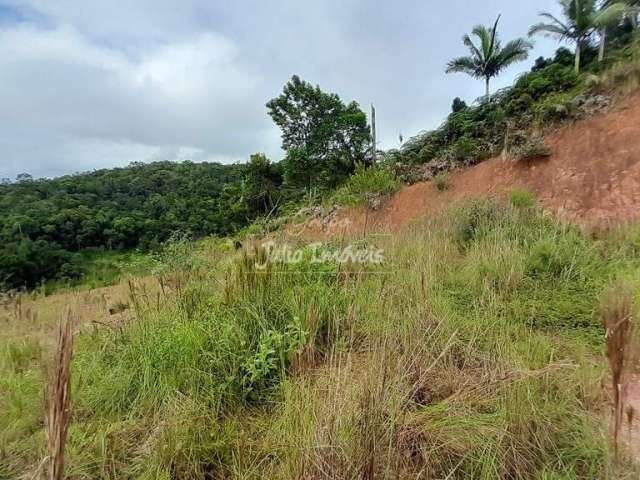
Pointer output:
100, 83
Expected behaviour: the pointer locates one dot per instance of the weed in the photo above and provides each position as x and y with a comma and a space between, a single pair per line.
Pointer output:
58, 405
441, 181
469, 354
522, 199
616, 313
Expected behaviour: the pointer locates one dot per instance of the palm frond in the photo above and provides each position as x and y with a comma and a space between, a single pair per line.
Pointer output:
484, 35
549, 30
555, 20
494, 41
514, 51
464, 65
471, 46
610, 15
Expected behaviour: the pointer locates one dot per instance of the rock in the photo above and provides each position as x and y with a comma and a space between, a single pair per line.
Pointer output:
590, 105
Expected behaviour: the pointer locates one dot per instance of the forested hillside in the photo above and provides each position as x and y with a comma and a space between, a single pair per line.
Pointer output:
45, 222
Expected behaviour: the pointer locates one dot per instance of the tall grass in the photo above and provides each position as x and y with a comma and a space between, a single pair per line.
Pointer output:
58, 404
474, 351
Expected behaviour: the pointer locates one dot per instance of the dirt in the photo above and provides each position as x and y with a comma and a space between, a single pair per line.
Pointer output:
592, 178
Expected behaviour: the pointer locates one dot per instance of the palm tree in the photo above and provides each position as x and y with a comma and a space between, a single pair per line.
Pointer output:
612, 12
490, 58
582, 19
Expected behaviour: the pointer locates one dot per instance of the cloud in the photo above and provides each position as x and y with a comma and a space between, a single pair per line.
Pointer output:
63, 90
88, 85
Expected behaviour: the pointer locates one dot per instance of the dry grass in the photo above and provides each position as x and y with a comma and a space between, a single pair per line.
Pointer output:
58, 400
617, 318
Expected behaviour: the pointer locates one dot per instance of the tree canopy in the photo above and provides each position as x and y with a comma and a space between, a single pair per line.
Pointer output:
323, 138
45, 222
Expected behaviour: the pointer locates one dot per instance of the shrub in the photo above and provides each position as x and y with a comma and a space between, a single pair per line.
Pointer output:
556, 107
441, 181
532, 149
471, 221
364, 183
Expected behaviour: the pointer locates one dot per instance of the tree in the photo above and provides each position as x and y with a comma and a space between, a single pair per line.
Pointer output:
631, 10
458, 105
490, 58
611, 12
261, 183
582, 20
24, 177
324, 139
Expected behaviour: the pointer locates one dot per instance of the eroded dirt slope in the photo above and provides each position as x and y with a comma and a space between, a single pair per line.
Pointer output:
592, 177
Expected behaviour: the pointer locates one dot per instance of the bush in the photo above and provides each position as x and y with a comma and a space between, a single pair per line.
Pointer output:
441, 181
472, 220
364, 183
558, 106
532, 149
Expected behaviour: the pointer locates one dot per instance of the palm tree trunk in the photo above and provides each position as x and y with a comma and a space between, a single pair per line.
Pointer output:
487, 91
578, 53
603, 41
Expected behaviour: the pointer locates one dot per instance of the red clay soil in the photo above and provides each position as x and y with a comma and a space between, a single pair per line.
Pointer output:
592, 178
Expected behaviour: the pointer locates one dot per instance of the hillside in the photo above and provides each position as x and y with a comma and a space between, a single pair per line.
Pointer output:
50, 226
592, 177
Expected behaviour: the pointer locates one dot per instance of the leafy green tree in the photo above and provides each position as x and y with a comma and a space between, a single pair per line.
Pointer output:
324, 139
489, 58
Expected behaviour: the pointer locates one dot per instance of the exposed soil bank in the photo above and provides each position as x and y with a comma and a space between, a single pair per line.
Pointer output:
592, 178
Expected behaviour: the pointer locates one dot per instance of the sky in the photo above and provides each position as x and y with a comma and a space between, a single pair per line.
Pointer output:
100, 83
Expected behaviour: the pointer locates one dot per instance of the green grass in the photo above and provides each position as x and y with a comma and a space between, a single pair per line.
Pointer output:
103, 268
365, 183
473, 351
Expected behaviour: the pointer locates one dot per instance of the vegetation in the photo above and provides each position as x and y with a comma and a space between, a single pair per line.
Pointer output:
441, 181
582, 19
490, 58
532, 149
364, 184
323, 138
551, 92
468, 353
473, 133
46, 223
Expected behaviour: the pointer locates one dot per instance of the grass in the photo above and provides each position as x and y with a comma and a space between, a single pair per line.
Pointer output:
441, 181
103, 268
474, 351
521, 198
365, 184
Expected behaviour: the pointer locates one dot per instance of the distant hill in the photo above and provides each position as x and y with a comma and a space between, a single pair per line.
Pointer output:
45, 221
